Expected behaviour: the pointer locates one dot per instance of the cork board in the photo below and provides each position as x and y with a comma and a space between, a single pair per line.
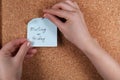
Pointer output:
65, 62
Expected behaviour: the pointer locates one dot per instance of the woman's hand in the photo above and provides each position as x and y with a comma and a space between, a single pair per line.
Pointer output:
74, 29
11, 58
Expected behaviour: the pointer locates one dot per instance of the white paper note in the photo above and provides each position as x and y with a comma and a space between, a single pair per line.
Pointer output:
42, 33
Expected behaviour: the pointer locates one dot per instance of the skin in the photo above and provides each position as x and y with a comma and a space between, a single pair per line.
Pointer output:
75, 30
11, 65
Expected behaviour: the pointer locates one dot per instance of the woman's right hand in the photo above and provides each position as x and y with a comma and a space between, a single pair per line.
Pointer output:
74, 29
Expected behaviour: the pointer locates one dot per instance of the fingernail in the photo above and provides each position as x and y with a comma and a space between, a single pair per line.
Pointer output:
44, 15
29, 44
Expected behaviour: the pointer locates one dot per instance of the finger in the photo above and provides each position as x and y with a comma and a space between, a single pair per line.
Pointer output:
74, 4
10, 47
59, 13
55, 20
29, 56
63, 6
77, 6
71, 3
22, 51
31, 53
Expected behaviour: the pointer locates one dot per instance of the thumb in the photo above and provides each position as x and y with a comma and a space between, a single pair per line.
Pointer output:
23, 51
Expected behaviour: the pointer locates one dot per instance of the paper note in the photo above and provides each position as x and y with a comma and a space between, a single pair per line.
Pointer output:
42, 33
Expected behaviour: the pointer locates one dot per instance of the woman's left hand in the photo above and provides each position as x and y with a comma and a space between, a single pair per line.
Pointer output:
11, 58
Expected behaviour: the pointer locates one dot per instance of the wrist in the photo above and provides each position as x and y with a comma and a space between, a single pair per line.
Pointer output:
92, 49
88, 45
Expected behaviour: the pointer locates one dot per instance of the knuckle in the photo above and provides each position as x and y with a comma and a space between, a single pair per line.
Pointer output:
56, 5
6, 52
73, 13
76, 12
59, 4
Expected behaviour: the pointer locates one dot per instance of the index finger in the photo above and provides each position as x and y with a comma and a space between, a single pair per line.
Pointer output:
63, 6
59, 13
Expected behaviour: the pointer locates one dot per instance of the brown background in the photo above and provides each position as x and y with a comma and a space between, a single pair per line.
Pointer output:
65, 62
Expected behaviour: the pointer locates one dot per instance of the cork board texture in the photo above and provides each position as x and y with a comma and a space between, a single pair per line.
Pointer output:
65, 62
